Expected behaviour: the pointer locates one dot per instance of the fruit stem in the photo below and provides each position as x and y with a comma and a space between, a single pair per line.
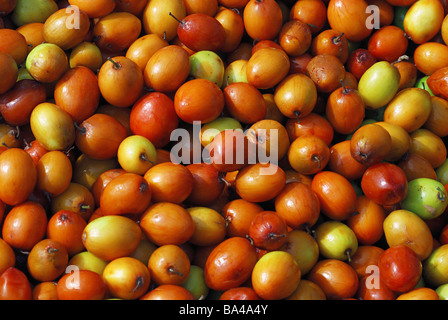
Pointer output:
347, 252
143, 187
116, 64
337, 39
144, 157
297, 115
83, 130
17, 133
274, 236
181, 22
172, 270
345, 89
441, 195
315, 158
250, 239
228, 184
84, 207
402, 58
138, 284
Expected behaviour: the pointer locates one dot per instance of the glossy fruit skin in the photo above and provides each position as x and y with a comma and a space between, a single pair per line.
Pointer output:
199, 31
381, 42
238, 214
11, 72
81, 285
370, 144
38, 66
198, 100
295, 37
244, 102
298, 204
47, 260
336, 278
163, 76
268, 230
438, 82
128, 193
29, 216
434, 267
366, 291
126, 278
156, 18
367, 223
339, 13
337, 205
432, 12
122, 73
405, 227
52, 126
76, 197
341, 161
237, 254
111, 237
8, 258
16, 105
66, 227
313, 124
65, 38
365, 257
207, 184
296, 96
169, 182
384, 91
385, 183
308, 154
167, 223
19, 176
77, 93
169, 264
14, 285
336, 240
267, 67
345, 110
265, 277
251, 182
262, 20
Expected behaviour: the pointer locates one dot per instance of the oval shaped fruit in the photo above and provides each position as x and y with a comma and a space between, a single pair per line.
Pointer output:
230, 264
161, 74
266, 67
52, 127
260, 182
19, 176
167, 223
156, 17
435, 267
409, 109
336, 195
54, 172
77, 93
276, 275
81, 285
47, 260
262, 19
71, 34
47, 62
377, 93
336, 240
128, 193
111, 237
24, 225
405, 227
370, 144
423, 20
350, 17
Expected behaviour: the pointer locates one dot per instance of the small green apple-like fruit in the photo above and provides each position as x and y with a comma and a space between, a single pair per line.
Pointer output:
425, 197
207, 65
336, 240
379, 84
